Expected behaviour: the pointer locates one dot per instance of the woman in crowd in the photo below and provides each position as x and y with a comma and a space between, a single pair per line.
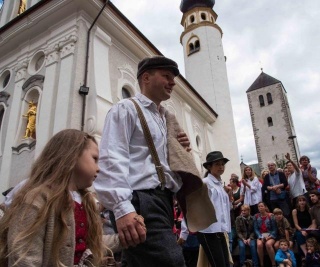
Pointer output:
251, 189
302, 220
266, 231
213, 239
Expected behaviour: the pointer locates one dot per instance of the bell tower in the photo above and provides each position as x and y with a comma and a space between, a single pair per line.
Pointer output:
205, 69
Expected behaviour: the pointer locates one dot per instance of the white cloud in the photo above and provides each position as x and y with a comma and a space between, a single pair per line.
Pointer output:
282, 35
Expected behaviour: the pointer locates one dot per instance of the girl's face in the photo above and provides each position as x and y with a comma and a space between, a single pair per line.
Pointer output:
86, 169
217, 168
302, 202
248, 172
261, 207
310, 248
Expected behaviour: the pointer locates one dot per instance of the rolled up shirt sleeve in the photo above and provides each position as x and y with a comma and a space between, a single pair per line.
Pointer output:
112, 184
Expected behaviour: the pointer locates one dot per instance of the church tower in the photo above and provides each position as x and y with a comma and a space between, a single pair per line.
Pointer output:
205, 69
272, 123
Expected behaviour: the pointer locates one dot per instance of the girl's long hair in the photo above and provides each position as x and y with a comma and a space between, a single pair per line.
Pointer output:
49, 180
244, 176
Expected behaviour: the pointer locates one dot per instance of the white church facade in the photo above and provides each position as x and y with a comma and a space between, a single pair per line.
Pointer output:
54, 49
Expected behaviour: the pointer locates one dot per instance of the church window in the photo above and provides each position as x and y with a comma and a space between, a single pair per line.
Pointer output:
261, 100
192, 19
203, 16
125, 93
270, 122
193, 45
4, 79
197, 45
269, 98
1, 115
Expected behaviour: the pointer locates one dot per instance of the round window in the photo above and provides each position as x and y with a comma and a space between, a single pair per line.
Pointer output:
4, 79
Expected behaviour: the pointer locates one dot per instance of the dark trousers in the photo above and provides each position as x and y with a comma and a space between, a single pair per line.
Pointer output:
160, 248
216, 249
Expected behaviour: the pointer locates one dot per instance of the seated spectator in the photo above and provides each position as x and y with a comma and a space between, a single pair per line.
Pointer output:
266, 231
284, 256
313, 253
251, 189
284, 229
309, 173
302, 220
275, 183
315, 214
245, 232
295, 180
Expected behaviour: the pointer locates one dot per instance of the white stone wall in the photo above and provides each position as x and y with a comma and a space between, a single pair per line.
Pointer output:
272, 142
207, 73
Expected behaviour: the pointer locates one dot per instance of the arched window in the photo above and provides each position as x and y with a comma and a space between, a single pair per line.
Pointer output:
1, 115
261, 100
203, 16
270, 122
192, 19
269, 98
197, 45
125, 93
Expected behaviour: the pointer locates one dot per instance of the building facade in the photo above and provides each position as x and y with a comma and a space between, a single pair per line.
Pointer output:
52, 50
272, 123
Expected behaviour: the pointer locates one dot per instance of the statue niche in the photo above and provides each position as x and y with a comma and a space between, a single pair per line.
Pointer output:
31, 124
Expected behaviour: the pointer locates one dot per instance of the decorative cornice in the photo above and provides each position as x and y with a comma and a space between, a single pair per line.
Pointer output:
52, 55
67, 46
21, 71
26, 145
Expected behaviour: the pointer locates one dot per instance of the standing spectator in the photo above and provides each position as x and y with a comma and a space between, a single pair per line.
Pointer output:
315, 214
213, 239
266, 231
313, 253
251, 189
309, 173
284, 228
295, 180
245, 232
237, 196
285, 256
264, 192
190, 245
302, 220
275, 183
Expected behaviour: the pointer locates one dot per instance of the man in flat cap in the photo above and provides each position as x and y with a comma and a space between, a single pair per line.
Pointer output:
128, 183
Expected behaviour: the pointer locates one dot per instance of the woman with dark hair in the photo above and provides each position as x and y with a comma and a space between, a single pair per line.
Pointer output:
302, 220
213, 239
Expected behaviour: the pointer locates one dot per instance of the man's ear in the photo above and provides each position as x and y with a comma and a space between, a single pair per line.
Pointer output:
145, 78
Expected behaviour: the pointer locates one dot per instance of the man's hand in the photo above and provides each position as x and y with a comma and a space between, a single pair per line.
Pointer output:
184, 141
180, 241
132, 230
287, 156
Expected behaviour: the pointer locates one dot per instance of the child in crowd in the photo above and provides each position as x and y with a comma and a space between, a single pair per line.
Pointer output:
313, 253
284, 256
284, 229
53, 219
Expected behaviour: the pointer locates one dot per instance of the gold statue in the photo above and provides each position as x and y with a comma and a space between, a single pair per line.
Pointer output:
22, 6
31, 116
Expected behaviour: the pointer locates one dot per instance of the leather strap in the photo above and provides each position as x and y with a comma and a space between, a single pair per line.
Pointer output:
151, 145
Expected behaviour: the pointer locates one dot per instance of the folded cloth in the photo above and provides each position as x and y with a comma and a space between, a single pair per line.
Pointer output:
193, 196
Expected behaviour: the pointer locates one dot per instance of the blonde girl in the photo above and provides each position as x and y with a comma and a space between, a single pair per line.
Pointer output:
53, 220
251, 188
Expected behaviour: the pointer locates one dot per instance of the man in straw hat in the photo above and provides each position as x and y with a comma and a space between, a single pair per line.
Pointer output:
132, 186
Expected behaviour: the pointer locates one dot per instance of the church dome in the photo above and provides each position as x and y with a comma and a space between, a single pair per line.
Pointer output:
186, 5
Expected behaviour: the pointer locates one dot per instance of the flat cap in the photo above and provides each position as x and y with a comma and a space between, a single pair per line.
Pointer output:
157, 62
